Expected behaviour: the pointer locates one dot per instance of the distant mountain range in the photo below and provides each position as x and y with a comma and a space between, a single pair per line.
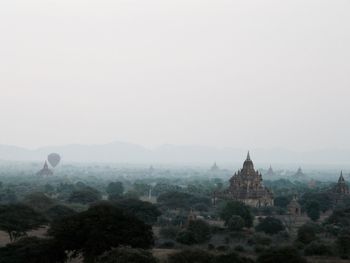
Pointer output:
119, 152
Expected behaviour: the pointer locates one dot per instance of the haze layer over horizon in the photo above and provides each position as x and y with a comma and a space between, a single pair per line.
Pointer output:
244, 74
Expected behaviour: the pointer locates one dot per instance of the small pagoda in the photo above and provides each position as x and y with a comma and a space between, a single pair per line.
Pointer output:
45, 171
340, 190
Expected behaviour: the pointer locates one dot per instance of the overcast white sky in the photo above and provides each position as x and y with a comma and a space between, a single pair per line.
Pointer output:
245, 73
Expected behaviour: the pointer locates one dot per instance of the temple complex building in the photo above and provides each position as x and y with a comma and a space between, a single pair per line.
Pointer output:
246, 186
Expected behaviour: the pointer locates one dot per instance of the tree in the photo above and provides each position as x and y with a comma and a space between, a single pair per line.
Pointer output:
58, 212
281, 201
186, 237
144, 211
325, 200
169, 232
340, 218
98, 229
181, 200
32, 250
8, 196
38, 201
270, 225
307, 233
200, 230
237, 208
343, 241
313, 210
235, 223
127, 255
231, 257
285, 255
17, 219
191, 256
115, 189
85, 195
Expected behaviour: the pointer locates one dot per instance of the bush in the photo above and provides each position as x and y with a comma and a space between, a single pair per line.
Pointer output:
343, 241
239, 209
270, 225
239, 248
191, 256
127, 255
200, 230
262, 239
166, 244
285, 255
318, 248
231, 257
169, 232
222, 248
186, 237
307, 233
235, 223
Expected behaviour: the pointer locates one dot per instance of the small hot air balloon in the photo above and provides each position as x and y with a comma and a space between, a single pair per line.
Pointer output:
54, 159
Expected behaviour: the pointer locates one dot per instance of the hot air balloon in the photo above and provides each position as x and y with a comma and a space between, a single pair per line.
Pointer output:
54, 159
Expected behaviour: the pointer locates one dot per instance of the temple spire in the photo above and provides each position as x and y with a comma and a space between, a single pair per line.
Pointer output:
341, 178
248, 157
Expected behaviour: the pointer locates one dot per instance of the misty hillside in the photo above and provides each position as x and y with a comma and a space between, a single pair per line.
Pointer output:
131, 153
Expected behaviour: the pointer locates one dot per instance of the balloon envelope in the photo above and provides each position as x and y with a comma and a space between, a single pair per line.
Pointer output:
54, 159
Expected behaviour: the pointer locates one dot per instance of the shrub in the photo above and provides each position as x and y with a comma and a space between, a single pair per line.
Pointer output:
270, 225
169, 232
231, 257
285, 255
237, 208
127, 255
191, 256
318, 248
239, 248
235, 223
307, 233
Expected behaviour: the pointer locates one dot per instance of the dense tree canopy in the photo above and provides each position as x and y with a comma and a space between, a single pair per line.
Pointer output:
32, 250
181, 200
17, 219
99, 229
115, 188
127, 255
191, 256
38, 201
235, 223
239, 209
313, 210
270, 225
307, 233
58, 212
285, 255
85, 195
145, 211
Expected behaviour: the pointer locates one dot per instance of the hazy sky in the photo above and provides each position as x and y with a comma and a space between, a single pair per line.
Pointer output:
245, 73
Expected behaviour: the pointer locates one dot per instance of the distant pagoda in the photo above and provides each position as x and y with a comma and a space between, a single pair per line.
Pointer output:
294, 208
270, 172
214, 168
341, 187
246, 186
45, 171
299, 174
340, 191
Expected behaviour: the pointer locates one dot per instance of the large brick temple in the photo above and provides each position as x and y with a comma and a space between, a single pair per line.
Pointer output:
246, 186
